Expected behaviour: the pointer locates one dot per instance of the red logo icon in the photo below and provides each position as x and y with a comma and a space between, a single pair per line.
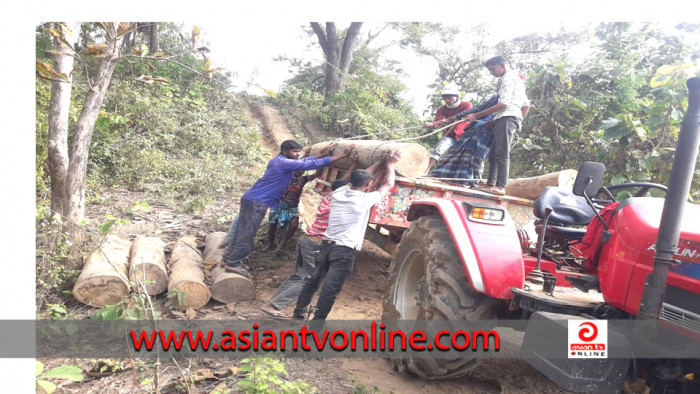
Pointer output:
589, 332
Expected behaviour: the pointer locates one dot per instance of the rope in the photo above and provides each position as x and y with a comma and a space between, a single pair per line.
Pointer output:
383, 132
420, 136
408, 138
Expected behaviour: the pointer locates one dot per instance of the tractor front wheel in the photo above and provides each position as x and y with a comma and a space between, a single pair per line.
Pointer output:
427, 282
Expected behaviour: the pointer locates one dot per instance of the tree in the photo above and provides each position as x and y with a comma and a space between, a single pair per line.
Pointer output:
67, 174
65, 36
153, 39
337, 52
460, 53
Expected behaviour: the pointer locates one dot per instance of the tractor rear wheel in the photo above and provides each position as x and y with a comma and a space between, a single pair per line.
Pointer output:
427, 282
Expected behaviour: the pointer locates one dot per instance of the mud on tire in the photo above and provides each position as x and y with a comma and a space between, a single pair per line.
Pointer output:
427, 282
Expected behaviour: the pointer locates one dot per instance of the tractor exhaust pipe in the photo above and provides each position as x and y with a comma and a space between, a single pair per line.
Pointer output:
677, 195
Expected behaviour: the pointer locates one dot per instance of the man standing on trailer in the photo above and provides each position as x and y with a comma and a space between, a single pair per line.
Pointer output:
508, 116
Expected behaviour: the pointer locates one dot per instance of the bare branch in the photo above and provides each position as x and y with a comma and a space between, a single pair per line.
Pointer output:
322, 39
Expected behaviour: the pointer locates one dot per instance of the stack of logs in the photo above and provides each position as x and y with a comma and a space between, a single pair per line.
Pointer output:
111, 271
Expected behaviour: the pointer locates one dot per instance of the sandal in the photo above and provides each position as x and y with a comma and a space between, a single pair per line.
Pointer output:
274, 312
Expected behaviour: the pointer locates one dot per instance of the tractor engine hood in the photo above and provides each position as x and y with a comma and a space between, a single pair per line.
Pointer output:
637, 221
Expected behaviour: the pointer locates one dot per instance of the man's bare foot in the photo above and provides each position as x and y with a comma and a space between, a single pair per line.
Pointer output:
272, 311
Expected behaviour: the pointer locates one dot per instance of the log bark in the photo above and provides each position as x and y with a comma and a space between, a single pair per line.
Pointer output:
59, 110
148, 264
413, 162
531, 188
103, 280
226, 287
187, 274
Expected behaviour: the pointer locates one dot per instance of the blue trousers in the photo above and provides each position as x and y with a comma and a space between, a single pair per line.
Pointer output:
246, 225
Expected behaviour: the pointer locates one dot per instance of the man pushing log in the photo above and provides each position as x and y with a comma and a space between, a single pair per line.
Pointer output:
266, 193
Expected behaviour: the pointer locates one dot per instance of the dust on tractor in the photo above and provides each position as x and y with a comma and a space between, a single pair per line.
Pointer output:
465, 255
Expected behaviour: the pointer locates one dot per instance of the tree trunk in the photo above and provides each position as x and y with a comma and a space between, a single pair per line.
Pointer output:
148, 264
227, 287
187, 275
338, 56
103, 280
531, 188
59, 110
153, 42
84, 127
413, 161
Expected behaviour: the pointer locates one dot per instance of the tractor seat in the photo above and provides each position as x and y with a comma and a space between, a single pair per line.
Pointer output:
567, 210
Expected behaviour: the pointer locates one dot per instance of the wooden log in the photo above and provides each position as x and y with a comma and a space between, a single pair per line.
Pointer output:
187, 274
103, 279
226, 287
413, 162
212, 252
148, 264
531, 188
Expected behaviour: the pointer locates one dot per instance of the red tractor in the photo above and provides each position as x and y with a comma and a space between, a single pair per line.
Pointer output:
470, 256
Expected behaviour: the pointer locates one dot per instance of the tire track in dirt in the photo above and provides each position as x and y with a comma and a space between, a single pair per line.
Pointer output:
275, 128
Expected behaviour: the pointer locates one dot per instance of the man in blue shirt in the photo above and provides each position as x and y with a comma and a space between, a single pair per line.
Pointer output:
266, 193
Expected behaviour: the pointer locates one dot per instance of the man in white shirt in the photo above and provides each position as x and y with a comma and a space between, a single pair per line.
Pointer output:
508, 116
350, 210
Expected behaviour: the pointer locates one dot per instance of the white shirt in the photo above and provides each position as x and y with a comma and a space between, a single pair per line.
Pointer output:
511, 90
349, 215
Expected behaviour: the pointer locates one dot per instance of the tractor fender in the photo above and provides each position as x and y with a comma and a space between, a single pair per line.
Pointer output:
491, 254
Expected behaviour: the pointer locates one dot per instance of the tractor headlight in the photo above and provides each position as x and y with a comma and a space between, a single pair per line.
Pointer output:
485, 214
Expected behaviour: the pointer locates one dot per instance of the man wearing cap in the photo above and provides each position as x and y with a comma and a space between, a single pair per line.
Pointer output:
453, 106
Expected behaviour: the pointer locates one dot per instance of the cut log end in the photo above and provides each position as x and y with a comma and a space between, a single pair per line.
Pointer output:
99, 291
196, 295
103, 279
229, 287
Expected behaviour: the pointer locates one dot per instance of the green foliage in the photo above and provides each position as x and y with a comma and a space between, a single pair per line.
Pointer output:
64, 372
197, 205
57, 311
267, 375
134, 307
184, 139
138, 207
52, 247
111, 222
174, 297
622, 106
369, 102
174, 141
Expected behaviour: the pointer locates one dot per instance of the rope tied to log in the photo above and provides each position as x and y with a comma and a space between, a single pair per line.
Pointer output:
515, 141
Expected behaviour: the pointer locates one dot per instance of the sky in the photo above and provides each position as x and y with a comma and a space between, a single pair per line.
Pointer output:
245, 34
253, 59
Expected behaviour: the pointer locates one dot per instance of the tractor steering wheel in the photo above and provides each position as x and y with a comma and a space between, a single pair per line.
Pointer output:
644, 188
